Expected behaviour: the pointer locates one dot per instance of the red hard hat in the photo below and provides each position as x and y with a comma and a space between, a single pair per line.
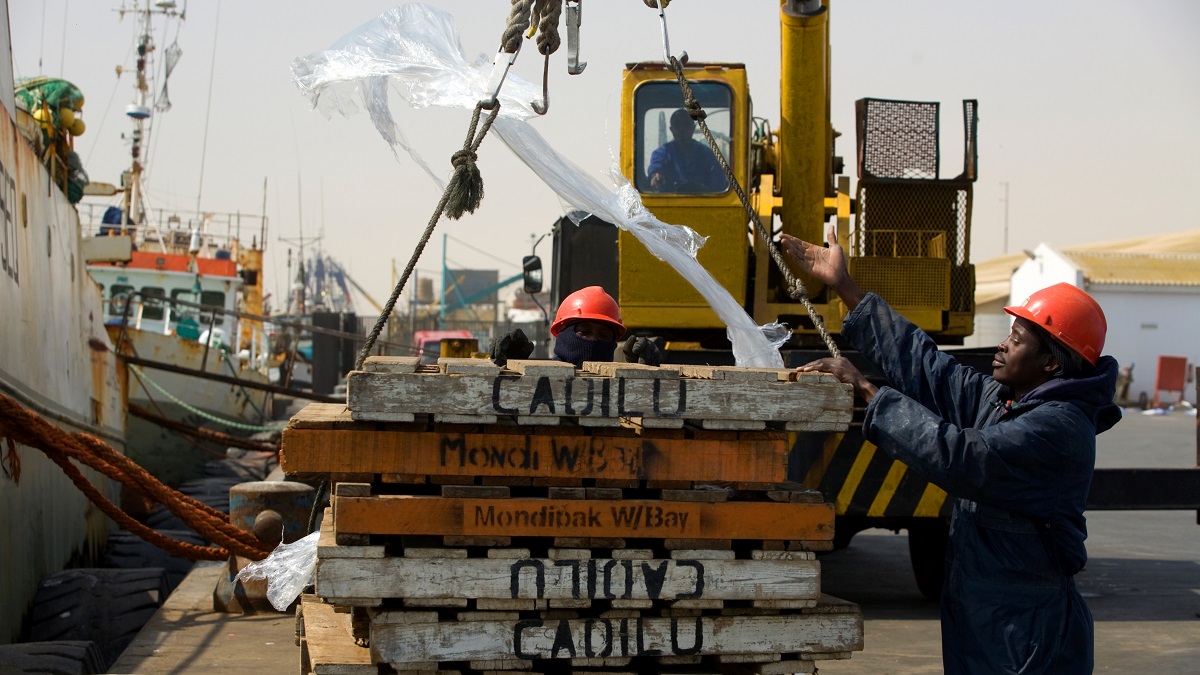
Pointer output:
588, 304
1069, 315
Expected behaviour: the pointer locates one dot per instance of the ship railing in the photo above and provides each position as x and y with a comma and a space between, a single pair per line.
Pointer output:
165, 229
135, 305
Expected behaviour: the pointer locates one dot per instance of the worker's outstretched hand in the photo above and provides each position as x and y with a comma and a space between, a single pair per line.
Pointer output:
642, 350
827, 265
842, 369
512, 345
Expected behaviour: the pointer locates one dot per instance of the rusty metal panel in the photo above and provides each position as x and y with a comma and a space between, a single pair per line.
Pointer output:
57, 360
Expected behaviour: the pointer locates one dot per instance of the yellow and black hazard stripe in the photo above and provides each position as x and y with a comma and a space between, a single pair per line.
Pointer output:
860, 479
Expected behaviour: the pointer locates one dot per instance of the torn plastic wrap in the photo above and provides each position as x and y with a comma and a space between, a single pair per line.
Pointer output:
622, 206
417, 50
288, 569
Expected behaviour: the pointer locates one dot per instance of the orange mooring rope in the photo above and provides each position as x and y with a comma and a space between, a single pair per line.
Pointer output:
28, 428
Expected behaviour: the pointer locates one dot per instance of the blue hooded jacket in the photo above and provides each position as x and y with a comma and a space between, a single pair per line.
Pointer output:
1019, 471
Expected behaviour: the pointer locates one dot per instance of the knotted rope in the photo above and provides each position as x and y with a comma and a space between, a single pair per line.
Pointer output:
463, 194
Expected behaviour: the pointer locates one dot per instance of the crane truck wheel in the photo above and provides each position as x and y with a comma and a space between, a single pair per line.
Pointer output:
927, 543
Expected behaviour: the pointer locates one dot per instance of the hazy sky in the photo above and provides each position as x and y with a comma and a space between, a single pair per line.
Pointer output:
1089, 111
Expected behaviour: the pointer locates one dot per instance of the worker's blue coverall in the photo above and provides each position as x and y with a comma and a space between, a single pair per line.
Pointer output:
1020, 474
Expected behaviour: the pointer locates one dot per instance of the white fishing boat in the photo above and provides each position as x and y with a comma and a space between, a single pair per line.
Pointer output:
180, 306
56, 359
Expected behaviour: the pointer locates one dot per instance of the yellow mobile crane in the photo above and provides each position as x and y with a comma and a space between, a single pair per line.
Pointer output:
909, 243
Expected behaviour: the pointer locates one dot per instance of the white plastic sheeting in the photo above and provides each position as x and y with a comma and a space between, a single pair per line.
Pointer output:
416, 49
288, 569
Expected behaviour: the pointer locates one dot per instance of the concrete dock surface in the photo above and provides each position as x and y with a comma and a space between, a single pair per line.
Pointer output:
1142, 583
187, 636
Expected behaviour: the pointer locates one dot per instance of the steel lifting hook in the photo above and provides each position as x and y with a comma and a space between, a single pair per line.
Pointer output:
500, 67
543, 106
574, 13
662, 18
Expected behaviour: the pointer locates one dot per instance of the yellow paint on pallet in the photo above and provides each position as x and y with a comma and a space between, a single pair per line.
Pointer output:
888, 490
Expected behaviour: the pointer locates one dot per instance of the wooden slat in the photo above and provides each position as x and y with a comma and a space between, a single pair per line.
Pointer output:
735, 373
546, 455
817, 401
321, 416
407, 515
640, 578
330, 645
391, 364
451, 365
613, 637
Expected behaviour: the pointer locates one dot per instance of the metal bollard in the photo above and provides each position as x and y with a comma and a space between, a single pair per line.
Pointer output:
274, 511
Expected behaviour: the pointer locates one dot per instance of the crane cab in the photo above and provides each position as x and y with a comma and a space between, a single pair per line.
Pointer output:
681, 182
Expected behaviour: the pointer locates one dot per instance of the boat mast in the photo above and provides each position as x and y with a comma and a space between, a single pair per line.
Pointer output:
139, 111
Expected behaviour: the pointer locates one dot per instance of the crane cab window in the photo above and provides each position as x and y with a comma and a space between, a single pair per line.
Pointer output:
670, 153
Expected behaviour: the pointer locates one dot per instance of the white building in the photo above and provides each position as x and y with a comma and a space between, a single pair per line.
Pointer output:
1149, 289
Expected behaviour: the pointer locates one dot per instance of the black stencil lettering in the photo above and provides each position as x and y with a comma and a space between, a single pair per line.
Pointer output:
539, 577
451, 446
542, 395
697, 643
608, 568
518, 628
621, 400
496, 383
654, 578
574, 565
563, 639
680, 404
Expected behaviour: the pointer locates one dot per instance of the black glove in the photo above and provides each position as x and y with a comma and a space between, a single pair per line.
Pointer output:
642, 350
511, 345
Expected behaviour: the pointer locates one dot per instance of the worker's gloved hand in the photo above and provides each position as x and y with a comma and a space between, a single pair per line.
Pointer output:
512, 345
642, 350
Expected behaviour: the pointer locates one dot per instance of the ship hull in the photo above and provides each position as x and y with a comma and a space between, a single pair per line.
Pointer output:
55, 359
187, 399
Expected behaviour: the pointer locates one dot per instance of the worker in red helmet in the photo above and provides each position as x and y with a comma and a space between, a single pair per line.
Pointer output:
587, 327
1015, 449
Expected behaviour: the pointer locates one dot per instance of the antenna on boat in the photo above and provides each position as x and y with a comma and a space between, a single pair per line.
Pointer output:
139, 110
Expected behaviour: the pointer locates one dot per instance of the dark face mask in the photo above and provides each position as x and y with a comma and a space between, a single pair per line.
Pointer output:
571, 348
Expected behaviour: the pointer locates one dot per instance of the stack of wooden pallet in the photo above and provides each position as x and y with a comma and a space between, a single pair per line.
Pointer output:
537, 519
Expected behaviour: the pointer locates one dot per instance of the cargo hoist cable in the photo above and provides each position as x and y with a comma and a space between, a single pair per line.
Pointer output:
796, 287
465, 189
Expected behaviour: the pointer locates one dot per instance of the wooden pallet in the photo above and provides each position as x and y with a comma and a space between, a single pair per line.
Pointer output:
397, 515
328, 647
324, 438
512, 578
397, 389
400, 637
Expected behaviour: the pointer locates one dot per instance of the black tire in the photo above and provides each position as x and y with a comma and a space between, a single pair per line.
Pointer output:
211, 491
246, 466
125, 550
927, 543
105, 606
64, 657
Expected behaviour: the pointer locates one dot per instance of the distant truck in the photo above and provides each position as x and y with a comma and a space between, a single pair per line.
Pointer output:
427, 344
